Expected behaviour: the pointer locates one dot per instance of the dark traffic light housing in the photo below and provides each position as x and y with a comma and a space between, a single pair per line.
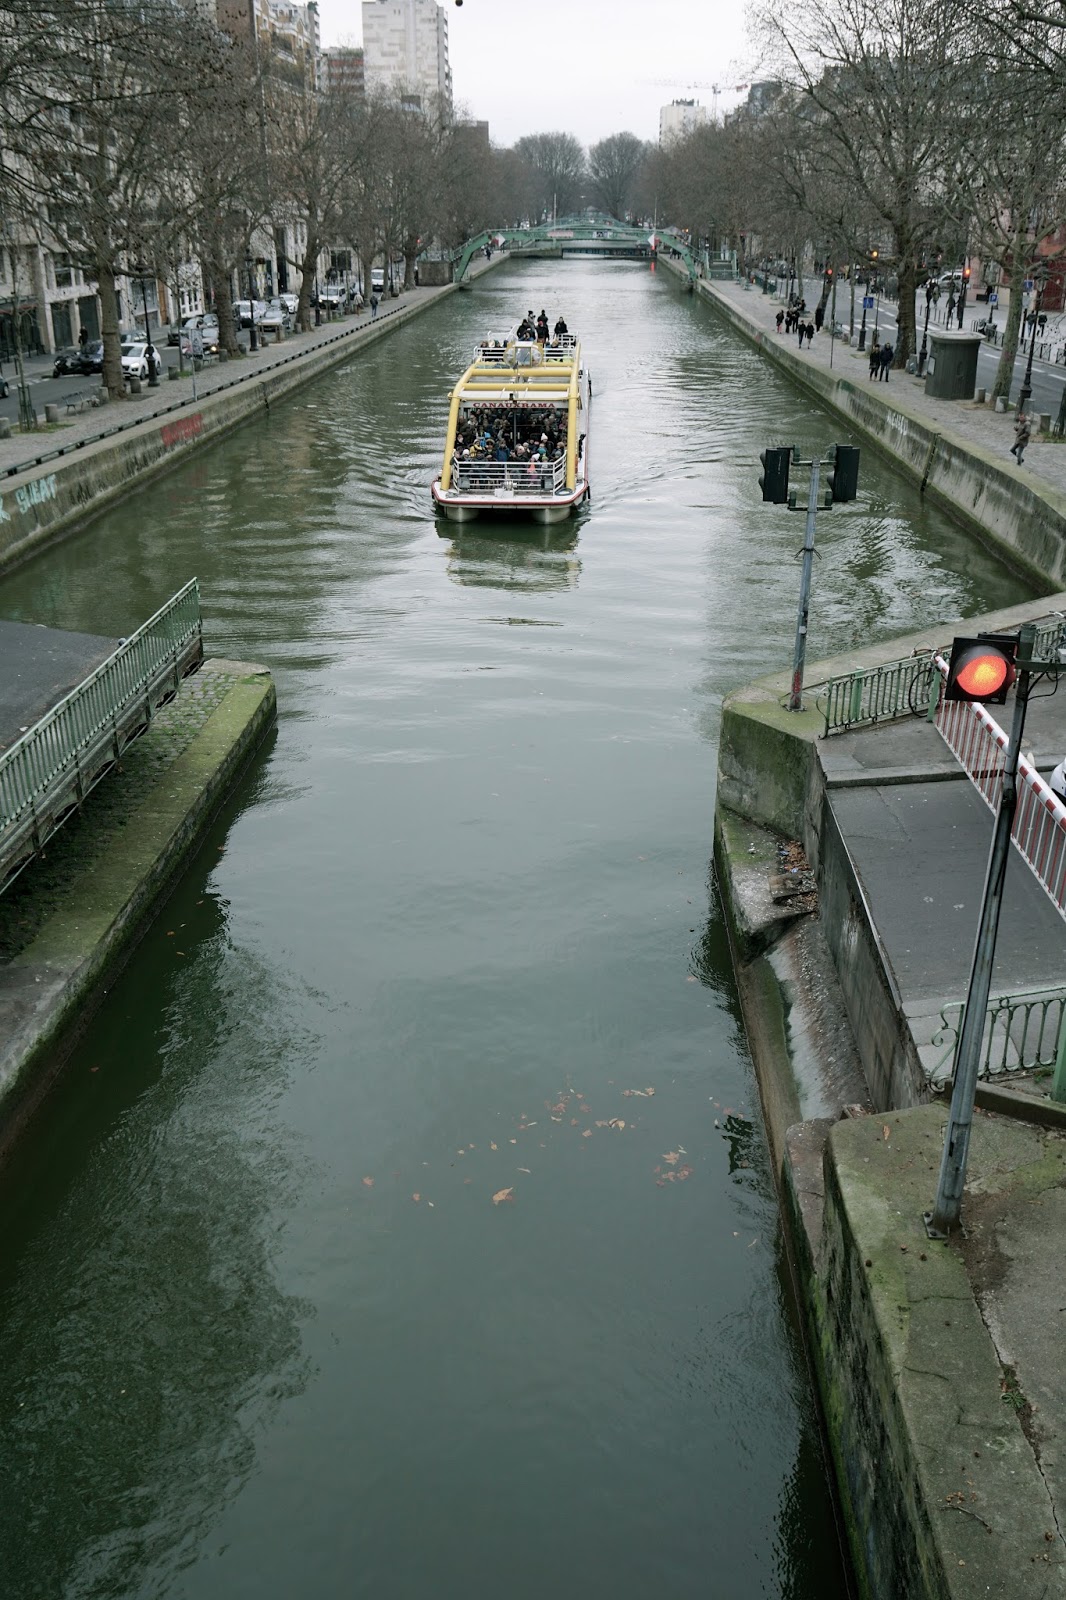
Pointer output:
773, 480
844, 476
982, 669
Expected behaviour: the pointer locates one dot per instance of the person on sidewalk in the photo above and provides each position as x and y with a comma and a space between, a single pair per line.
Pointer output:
1023, 432
810, 334
885, 360
875, 358
374, 303
802, 329
819, 317
779, 319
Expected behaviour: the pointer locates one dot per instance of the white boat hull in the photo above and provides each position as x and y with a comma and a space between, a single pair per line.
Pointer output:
465, 507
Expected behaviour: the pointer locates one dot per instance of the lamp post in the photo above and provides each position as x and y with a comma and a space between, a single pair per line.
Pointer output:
1027, 381
253, 337
923, 352
865, 297
153, 371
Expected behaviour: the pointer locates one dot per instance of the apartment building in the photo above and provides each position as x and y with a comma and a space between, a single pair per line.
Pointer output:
405, 50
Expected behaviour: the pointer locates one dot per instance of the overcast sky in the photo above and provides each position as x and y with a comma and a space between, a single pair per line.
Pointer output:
585, 66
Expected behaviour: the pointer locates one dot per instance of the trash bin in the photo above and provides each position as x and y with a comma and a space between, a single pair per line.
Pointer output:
951, 369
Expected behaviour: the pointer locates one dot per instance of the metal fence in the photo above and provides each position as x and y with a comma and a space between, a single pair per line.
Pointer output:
910, 687
1039, 829
1023, 1033
45, 776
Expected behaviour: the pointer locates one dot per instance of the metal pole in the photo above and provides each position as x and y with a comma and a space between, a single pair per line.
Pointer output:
862, 330
1027, 381
923, 352
833, 322
795, 699
153, 380
945, 1212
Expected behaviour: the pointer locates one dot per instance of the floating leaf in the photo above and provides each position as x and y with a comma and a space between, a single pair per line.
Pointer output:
649, 1093
672, 1157
526, 1170
573, 1122
493, 1145
501, 1195
514, 1141
368, 1183
601, 1123
584, 1110
587, 1133
416, 1198
886, 1131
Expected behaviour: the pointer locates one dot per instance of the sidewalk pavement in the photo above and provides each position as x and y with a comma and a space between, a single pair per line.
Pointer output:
979, 426
28, 449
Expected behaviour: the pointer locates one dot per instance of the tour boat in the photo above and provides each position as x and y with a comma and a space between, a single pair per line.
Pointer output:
537, 397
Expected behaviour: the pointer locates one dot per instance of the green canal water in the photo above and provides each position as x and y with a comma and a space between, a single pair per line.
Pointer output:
263, 1330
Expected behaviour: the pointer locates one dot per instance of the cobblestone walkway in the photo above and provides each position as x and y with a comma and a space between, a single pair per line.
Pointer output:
42, 888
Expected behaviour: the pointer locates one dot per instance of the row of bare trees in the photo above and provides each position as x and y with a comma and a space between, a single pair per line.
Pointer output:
919, 129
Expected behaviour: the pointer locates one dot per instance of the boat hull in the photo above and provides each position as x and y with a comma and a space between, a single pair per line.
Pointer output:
527, 507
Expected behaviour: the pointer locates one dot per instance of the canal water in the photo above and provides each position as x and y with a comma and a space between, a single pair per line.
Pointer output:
403, 1226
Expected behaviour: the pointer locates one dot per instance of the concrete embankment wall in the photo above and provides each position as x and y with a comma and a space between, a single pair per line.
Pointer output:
1024, 520
109, 870
39, 505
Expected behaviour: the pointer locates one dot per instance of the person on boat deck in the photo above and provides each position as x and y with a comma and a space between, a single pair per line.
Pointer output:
542, 327
560, 328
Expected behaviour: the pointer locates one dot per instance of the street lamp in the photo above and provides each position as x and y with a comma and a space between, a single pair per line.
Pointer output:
930, 284
1027, 381
865, 297
153, 375
253, 338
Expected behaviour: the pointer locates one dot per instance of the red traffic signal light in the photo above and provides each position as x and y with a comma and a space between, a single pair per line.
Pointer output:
965, 274
982, 669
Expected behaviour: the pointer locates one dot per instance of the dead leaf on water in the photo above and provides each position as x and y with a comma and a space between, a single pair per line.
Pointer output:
493, 1145
587, 1133
602, 1123
584, 1110
886, 1131
368, 1183
416, 1198
672, 1157
501, 1195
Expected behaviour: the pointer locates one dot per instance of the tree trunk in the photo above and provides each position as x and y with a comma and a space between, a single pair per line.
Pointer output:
410, 256
827, 286
307, 275
907, 282
112, 374
1009, 350
227, 333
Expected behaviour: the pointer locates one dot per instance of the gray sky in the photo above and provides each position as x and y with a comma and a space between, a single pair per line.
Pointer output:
584, 66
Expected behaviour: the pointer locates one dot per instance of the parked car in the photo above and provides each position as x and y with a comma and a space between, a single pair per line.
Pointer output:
377, 279
200, 335
135, 360
66, 361
91, 357
331, 299
242, 312
274, 317
174, 333
290, 302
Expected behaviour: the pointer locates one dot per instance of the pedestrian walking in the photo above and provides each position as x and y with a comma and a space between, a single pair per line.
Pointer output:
802, 328
780, 319
819, 317
885, 360
810, 334
374, 303
1022, 434
875, 358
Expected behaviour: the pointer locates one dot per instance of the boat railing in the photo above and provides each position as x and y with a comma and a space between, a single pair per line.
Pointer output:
509, 477
509, 352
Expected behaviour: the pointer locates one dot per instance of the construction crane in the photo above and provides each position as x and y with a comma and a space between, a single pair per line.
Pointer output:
694, 83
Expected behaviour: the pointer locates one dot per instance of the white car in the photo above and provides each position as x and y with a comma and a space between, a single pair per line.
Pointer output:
274, 317
290, 302
135, 360
200, 336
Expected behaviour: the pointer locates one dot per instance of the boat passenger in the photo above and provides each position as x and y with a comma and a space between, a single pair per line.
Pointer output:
560, 328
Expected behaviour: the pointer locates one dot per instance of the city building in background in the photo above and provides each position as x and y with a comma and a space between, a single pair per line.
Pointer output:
405, 50
341, 70
679, 118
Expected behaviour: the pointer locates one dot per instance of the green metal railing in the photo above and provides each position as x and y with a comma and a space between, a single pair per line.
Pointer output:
48, 772
1023, 1033
906, 688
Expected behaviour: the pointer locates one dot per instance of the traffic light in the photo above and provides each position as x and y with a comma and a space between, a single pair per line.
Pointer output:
965, 275
773, 480
844, 474
982, 669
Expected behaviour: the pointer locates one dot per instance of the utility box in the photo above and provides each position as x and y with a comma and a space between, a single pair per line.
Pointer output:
951, 370
434, 274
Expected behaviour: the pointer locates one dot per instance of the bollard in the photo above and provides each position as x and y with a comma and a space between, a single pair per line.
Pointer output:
135, 386
979, 397
51, 411
172, 372
1045, 422
1001, 404
5, 427
102, 396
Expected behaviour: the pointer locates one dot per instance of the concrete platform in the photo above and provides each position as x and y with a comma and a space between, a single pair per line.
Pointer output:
38, 667
68, 921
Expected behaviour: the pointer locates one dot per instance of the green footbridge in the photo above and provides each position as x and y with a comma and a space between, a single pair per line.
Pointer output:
591, 234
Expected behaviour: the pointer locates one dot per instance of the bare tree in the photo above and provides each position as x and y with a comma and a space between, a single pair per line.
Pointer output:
557, 164
615, 165
884, 80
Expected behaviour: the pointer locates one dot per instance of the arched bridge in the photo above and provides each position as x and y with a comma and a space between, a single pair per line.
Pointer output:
585, 235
